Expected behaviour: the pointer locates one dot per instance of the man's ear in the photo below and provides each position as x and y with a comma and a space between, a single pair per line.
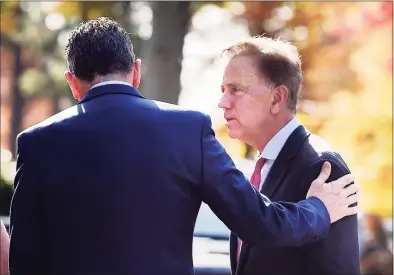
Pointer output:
137, 73
72, 82
279, 98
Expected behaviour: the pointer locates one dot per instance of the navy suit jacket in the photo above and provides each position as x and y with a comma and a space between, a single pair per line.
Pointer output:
289, 179
114, 184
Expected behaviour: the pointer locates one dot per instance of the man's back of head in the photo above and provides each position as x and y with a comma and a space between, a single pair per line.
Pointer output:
100, 50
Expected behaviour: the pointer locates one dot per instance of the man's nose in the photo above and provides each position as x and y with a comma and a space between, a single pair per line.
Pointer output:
224, 102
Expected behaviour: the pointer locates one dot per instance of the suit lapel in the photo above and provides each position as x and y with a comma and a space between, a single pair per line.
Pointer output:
277, 173
280, 167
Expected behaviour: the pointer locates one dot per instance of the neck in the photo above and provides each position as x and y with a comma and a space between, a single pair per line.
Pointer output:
267, 133
111, 77
86, 86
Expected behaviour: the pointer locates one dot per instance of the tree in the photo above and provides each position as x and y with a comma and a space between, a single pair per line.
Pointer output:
11, 16
162, 54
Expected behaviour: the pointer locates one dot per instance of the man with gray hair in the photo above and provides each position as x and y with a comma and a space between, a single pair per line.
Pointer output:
260, 89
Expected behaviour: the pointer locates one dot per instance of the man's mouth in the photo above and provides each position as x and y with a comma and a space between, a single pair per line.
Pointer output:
229, 120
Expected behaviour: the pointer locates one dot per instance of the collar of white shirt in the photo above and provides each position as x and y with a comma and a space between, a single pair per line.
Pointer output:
111, 82
275, 145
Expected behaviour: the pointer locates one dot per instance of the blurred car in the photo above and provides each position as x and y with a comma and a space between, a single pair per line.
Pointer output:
211, 237
210, 244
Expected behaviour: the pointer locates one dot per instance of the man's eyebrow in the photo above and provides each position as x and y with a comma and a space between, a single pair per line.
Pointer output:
232, 84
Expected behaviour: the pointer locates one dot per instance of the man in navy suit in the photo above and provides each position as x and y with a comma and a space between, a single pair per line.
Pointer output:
113, 184
260, 90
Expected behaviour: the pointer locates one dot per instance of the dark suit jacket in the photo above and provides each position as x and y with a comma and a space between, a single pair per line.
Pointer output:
113, 185
289, 179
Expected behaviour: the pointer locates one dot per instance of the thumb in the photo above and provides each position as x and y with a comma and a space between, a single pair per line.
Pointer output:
324, 173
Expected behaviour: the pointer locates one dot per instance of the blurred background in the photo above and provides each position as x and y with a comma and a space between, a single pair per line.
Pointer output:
346, 50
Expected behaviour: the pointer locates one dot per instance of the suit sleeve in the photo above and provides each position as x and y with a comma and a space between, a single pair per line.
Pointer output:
338, 253
26, 242
248, 213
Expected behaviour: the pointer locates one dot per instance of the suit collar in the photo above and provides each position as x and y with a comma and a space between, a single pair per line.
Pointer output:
286, 155
293, 143
275, 145
110, 88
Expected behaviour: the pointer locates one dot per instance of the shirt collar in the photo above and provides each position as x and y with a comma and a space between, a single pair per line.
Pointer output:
111, 82
275, 145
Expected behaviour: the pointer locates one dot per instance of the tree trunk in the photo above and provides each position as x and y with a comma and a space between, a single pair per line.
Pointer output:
163, 53
84, 11
126, 16
17, 101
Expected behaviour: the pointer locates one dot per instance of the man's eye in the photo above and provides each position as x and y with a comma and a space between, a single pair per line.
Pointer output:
236, 90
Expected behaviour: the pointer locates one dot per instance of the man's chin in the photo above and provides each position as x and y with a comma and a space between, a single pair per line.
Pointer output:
233, 134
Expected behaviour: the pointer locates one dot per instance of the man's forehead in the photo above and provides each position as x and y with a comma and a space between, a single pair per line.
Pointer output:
243, 62
240, 70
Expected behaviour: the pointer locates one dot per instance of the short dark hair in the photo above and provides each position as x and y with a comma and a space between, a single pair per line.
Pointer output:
99, 47
279, 62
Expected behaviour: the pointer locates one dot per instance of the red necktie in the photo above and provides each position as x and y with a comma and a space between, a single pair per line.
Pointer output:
255, 180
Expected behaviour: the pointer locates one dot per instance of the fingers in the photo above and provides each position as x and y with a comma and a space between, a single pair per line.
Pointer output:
352, 210
352, 199
324, 173
343, 181
351, 189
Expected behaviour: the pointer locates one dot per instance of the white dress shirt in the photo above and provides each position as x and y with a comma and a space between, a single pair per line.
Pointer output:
274, 146
111, 82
